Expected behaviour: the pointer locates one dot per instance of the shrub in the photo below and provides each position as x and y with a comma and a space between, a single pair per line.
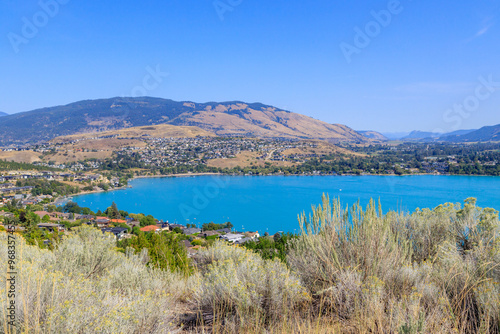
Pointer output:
84, 286
237, 284
164, 250
350, 271
197, 242
431, 271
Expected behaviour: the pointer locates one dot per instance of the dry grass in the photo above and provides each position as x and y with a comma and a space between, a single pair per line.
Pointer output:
323, 148
238, 287
268, 123
247, 159
160, 131
429, 272
85, 286
20, 156
243, 159
351, 271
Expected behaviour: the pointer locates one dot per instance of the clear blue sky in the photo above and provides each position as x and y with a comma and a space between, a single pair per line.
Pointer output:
285, 53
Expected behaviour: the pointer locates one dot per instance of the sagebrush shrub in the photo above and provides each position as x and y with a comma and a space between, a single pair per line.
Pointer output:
432, 271
240, 283
85, 286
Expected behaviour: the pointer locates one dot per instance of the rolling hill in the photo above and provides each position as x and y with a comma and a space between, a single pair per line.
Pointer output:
161, 131
223, 119
3, 113
101, 145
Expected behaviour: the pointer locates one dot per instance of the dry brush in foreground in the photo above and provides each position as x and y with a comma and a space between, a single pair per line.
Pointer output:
350, 271
434, 271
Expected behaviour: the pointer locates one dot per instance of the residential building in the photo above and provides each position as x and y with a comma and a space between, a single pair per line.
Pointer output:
118, 221
51, 227
252, 235
209, 234
150, 228
162, 226
231, 237
189, 231
172, 226
118, 232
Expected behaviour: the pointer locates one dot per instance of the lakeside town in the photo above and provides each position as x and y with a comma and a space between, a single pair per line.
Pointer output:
37, 187
155, 155
42, 213
52, 225
160, 152
36, 198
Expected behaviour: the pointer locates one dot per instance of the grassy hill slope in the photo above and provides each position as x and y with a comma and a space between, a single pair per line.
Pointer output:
224, 119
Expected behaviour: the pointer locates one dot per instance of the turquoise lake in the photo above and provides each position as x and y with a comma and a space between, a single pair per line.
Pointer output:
272, 203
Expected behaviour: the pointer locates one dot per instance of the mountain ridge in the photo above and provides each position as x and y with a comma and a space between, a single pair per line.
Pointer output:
232, 118
416, 135
433, 136
486, 133
375, 135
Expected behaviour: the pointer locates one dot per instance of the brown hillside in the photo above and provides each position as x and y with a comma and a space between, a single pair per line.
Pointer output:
20, 156
158, 131
222, 118
241, 120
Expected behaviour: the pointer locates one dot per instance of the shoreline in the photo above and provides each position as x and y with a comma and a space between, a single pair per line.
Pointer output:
147, 187
264, 175
231, 175
173, 175
65, 199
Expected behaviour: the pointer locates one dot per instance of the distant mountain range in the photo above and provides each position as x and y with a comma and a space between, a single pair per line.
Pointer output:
487, 133
221, 118
373, 135
3, 113
433, 135
416, 135
395, 135
234, 118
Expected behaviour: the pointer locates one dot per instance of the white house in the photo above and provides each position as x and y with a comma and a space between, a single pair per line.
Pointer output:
230, 237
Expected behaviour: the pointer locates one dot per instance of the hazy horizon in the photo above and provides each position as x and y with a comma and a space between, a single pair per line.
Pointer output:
385, 66
393, 132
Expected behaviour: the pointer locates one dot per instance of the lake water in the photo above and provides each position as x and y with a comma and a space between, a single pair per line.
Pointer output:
272, 203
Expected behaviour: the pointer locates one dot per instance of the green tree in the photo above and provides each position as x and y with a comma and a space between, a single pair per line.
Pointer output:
277, 237
113, 212
164, 250
147, 220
